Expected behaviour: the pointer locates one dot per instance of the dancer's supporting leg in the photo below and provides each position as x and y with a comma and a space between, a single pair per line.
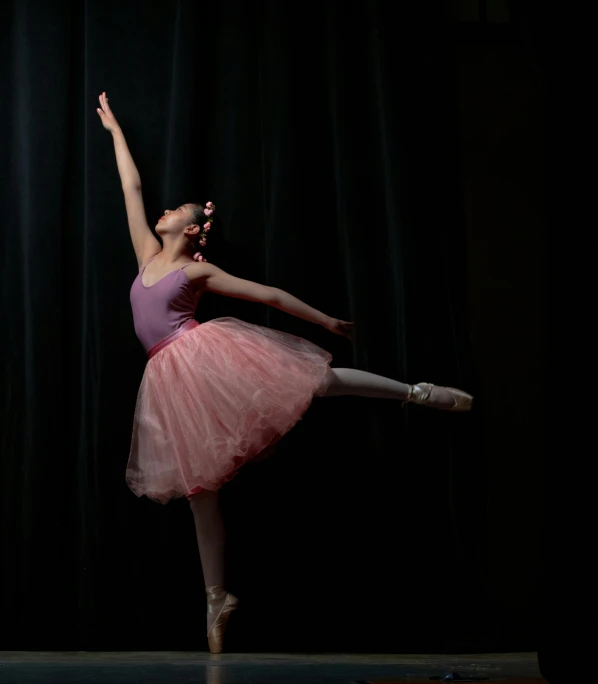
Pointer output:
209, 529
349, 381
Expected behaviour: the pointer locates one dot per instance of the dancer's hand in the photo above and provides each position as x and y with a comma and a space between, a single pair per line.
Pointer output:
344, 328
108, 119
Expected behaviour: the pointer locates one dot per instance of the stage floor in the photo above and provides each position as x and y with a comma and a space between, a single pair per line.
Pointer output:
258, 668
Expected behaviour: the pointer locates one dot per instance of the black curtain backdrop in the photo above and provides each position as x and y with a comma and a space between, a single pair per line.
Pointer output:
328, 135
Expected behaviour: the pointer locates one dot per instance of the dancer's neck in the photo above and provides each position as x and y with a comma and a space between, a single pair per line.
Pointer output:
173, 250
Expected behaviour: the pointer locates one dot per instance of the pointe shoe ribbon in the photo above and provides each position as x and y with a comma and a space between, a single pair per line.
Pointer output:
215, 595
420, 394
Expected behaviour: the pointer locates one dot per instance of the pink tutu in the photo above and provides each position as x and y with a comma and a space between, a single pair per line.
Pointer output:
213, 399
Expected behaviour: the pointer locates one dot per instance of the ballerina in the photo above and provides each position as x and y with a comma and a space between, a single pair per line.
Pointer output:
216, 395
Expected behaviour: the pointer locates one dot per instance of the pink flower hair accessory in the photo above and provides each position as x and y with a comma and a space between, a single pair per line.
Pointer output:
203, 236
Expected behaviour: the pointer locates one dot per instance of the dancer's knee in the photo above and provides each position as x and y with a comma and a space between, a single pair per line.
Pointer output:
336, 384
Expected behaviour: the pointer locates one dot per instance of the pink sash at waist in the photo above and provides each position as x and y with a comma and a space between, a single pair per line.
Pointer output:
187, 325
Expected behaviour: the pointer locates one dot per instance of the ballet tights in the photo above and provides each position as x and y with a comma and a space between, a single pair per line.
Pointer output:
209, 529
350, 381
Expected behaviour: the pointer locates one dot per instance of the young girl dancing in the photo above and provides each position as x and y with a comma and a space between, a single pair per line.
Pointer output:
214, 396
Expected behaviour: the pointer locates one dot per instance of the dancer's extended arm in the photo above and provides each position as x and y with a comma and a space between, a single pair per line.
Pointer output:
144, 242
214, 279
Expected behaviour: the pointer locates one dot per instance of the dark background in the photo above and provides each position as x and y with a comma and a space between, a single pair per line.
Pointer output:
382, 162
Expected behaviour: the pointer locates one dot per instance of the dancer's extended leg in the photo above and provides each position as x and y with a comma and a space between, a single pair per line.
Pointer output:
350, 381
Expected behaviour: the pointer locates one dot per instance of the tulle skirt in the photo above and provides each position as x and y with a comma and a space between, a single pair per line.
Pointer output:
214, 398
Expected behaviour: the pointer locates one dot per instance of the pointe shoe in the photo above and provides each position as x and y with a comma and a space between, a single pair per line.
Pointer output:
420, 394
216, 632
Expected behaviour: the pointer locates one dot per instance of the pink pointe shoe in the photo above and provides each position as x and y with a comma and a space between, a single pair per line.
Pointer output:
216, 593
420, 394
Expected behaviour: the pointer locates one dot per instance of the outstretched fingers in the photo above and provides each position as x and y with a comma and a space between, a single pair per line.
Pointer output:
105, 113
104, 103
348, 329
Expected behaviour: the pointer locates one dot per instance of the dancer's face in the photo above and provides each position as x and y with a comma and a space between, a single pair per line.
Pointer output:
177, 221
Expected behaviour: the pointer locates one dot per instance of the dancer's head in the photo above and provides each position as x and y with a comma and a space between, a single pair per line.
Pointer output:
188, 221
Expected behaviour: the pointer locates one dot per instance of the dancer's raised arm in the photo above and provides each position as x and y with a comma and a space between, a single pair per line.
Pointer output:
144, 242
